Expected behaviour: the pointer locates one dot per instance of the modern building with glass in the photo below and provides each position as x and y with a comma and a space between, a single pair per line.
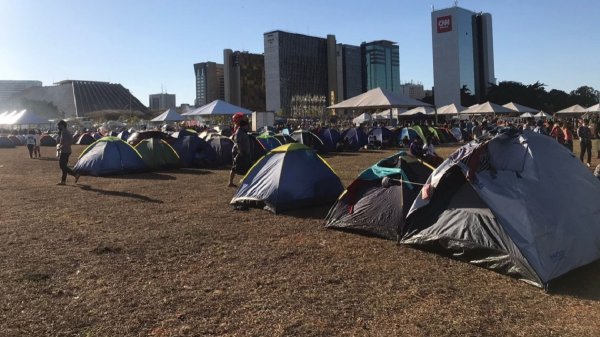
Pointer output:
381, 65
349, 71
463, 56
210, 83
244, 75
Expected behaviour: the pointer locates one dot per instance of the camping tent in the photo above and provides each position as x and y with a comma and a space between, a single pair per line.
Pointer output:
420, 110
137, 137
450, 109
290, 176
284, 139
222, 146
158, 154
526, 115
378, 98
268, 142
354, 139
487, 108
364, 117
408, 133
376, 203
85, 139
520, 204
47, 140
168, 116
520, 108
330, 138
6, 143
381, 138
309, 139
109, 155
194, 151
542, 114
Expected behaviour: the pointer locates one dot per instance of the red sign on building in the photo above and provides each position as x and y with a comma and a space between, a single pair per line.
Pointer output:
444, 24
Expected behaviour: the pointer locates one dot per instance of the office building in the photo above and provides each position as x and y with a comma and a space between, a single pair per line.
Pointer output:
412, 90
296, 73
349, 71
10, 88
244, 78
210, 82
162, 101
381, 65
463, 54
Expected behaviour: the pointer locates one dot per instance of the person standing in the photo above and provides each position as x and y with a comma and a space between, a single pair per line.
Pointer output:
568, 136
31, 141
476, 132
63, 150
557, 133
241, 147
585, 142
36, 150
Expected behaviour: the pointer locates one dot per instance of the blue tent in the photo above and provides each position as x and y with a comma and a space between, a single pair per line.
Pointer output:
354, 139
109, 155
223, 147
268, 142
194, 152
408, 133
309, 139
383, 137
330, 138
290, 176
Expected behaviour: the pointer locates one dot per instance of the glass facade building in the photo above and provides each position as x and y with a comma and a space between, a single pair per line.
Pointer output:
462, 54
381, 65
244, 75
210, 84
349, 72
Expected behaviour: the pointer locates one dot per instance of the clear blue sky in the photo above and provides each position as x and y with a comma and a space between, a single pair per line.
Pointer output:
148, 44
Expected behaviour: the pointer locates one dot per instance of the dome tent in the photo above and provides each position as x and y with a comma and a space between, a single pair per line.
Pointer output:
47, 140
85, 139
309, 139
194, 152
222, 147
267, 141
382, 136
330, 138
354, 139
6, 143
109, 155
378, 206
158, 154
519, 203
290, 176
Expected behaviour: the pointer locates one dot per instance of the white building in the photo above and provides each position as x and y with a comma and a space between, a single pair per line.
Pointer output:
463, 54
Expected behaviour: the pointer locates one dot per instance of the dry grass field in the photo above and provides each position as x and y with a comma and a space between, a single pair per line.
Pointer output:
163, 254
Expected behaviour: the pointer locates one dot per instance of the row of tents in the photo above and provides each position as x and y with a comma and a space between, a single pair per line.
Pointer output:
492, 203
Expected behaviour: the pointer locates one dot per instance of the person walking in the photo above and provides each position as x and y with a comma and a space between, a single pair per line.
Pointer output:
568, 136
585, 142
36, 150
63, 150
241, 147
31, 141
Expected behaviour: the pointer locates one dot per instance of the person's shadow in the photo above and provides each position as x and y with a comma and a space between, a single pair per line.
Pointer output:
120, 194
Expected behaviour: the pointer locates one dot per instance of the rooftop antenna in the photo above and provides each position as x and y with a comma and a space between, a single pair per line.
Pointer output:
161, 89
455, 3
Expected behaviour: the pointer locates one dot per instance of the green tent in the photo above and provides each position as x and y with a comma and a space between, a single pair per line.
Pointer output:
158, 154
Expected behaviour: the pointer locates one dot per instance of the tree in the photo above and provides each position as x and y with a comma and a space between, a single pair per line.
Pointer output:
585, 96
466, 98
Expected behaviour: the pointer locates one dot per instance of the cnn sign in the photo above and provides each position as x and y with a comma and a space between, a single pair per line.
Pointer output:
444, 24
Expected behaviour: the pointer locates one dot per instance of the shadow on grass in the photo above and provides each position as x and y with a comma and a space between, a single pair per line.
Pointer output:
318, 212
191, 171
579, 283
47, 158
120, 194
339, 154
146, 176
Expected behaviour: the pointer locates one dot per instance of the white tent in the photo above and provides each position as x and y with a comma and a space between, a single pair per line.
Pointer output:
487, 108
572, 110
526, 115
593, 108
217, 107
389, 113
520, 108
168, 116
542, 114
378, 99
450, 109
364, 117
418, 110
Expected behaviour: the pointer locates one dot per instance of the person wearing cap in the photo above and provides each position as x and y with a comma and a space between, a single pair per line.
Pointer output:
241, 147
63, 150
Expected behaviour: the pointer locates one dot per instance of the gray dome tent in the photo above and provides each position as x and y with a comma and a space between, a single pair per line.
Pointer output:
520, 204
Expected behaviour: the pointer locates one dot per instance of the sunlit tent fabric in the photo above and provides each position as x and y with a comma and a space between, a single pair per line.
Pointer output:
268, 142
217, 107
137, 137
378, 98
450, 109
290, 176
593, 108
222, 147
526, 115
383, 137
107, 156
363, 117
6, 143
375, 206
309, 139
124, 135
158, 154
542, 114
354, 139
330, 138
168, 116
520, 108
572, 110
284, 139
421, 110
488, 108
520, 204
85, 139
407, 133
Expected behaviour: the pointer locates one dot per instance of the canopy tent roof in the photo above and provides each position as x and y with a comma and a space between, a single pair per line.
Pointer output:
450, 109
364, 117
519, 108
488, 108
542, 114
527, 115
378, 99
574, 110
418, 110
217, 107
594, 108
24, 117
389, 113
168, 116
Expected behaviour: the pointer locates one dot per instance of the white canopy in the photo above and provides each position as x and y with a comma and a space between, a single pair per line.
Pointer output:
364, 117
168, 116
519, 108
23, 117
487, 108
418, 110
217, 107
573, 110
526, 115
542, 114
594, 108
378, 99
450, 109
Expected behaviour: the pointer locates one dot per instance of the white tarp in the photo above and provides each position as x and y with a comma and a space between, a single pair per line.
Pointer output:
418, 110
450, 109
168, 116
520, 108
378, 99
573, 110
542, 114
487, 108
593, 108
364, 117
526, 115
217, 107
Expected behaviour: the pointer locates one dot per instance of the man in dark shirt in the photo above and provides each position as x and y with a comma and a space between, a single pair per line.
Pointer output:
585, 142
63, 150
241, 148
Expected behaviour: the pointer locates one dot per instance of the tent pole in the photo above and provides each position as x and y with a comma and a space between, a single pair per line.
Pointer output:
401, 224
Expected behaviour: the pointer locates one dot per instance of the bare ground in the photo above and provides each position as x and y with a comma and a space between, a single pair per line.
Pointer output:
163, 254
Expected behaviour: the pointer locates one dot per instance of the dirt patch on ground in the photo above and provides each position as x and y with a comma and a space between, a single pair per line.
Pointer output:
163, 254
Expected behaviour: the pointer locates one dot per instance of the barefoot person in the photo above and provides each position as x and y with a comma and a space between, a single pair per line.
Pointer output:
63, 150
241, 147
